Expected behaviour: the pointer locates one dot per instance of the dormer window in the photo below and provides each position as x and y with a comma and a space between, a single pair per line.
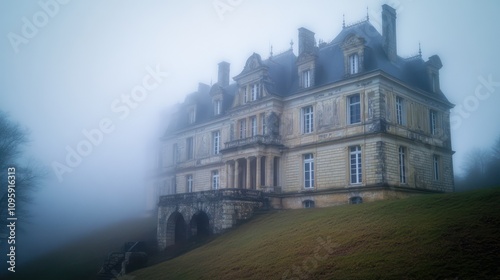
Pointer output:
354, 64
217, 107
192, 114
306, 78
254, 92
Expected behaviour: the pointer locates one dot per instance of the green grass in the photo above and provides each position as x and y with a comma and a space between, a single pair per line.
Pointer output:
446, 236
83, 258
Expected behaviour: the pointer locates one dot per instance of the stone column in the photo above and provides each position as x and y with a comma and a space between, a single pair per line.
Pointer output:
257, 173
248, 175
236, 173
269, 171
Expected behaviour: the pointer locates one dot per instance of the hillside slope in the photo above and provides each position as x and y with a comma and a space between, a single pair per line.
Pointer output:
446, 236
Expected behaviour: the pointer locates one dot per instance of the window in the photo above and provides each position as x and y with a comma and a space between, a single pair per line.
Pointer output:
255, 92
308, 171
356, 200
215, 180
243, 128
308, 203
306, 78
189, 148
245, 95
435, 164
354, 109
353, 64
173, 186
175, 153
189, 183
400, 111
307, 119
192, 115
264, 123
402, 164
433, 119
355, 164
217, 107
253, 122
216, 142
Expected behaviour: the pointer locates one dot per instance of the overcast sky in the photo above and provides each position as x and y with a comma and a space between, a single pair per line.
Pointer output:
70, 67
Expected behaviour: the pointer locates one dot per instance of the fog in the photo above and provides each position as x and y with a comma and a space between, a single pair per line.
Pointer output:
71, 79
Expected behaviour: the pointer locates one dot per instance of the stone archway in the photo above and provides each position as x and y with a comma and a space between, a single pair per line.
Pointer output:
176, 232
200, 225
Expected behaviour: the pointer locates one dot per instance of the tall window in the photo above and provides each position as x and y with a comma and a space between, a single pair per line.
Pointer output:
215, 180
189, 183
192, 115
402, 164
307, 119
189, 148
217, 107
306, 78
253, 122
400, 112
308, 171
353, 64
243, 128
354, 109
435, 165
433, 121
264, 123
255, 92
216, 142
355, 163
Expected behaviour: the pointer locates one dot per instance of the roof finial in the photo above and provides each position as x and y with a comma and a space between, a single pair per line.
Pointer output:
367, 14
291, 44
419, 49
343, 20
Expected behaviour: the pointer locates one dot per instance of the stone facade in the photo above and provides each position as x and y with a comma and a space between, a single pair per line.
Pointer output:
344, 122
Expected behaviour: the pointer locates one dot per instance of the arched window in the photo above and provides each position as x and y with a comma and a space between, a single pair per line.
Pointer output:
355, 200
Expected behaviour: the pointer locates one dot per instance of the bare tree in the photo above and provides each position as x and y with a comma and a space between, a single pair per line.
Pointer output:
13, 139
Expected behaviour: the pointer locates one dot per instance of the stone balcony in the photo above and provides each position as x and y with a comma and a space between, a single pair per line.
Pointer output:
212, 195
254, 140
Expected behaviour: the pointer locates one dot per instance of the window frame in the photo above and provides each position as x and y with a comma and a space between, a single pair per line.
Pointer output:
356, 167
353, 63
189, 183
308, 165
307, 119
242, 128
351, 111
253, 126
436, 162
215, 180
400, 111
402, 156
306, 78
216, 142
433, 121
308, 203
217, 107
189, 148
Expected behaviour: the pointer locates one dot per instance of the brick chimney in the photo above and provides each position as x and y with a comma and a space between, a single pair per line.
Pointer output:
306, 41
223, 77
389, 32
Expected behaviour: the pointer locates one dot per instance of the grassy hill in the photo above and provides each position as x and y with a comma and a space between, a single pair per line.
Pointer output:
448, 236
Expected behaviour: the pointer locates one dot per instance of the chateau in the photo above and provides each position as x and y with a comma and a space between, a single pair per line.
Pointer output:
346, 121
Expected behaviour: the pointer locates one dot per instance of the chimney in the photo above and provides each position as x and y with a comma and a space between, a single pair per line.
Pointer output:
306, 41
223, 77
389, 32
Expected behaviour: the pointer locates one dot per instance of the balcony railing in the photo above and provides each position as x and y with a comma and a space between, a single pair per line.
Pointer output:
257, 139
212, 195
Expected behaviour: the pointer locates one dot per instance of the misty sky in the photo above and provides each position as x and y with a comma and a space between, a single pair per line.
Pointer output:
76, 68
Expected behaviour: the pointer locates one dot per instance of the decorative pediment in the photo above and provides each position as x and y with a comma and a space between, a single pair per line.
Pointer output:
353, 41
305, 57
253, 62
216, 90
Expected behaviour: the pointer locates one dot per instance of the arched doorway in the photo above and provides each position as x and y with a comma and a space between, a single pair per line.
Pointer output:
176, 229
200, 225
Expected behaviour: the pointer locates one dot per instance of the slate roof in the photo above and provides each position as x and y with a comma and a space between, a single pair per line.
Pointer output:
282, 70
